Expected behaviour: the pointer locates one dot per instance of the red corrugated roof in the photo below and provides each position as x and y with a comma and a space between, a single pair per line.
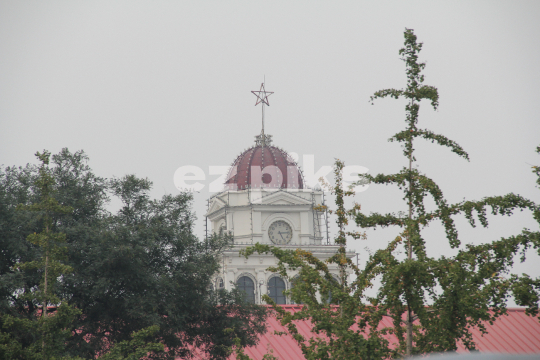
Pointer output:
514, 333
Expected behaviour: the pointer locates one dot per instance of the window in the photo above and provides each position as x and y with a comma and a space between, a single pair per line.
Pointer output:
276, 286
220, 227
336, 283
221, 284
246, 285
325, 297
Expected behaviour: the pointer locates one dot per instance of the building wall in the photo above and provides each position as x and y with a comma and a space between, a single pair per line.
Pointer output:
248, 214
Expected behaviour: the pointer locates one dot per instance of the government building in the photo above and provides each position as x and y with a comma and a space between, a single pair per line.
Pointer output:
265, 200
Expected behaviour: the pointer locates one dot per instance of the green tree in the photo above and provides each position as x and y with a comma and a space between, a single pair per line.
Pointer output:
526, 290
450, 294
344, 324
147, 268
137, 348
134, 269
445, 296
44, 335
51, 243
41, 337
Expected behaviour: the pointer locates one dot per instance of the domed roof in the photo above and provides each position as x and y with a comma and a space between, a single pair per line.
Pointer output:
264, 166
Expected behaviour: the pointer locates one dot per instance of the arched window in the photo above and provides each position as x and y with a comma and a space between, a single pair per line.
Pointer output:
276, 287
246, 285
328, 297
220, 227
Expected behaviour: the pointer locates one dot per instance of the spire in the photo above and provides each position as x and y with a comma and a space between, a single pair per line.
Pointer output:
262, 98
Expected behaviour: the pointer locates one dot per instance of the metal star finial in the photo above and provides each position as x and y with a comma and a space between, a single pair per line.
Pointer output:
262, 96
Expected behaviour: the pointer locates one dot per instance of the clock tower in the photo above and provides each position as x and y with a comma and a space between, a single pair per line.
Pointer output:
265, 200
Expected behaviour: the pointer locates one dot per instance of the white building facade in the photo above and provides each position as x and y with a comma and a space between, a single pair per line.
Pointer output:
265, 201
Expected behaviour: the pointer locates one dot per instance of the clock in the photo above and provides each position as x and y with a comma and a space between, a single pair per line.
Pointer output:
280, 232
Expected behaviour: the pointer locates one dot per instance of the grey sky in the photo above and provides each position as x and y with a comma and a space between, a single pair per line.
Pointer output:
145, 87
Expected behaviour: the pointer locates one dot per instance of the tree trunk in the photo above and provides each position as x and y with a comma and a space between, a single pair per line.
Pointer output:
44, 310
44, 306
409, 253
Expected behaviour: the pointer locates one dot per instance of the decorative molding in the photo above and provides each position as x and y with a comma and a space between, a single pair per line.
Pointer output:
219, 224
280, 216
216, 205
289, 199
273, 275
249, 275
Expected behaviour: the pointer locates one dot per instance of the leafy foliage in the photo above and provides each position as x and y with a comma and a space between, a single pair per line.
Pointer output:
450, 294
137, 348
432, 302
49, 243
138, 268
41, 337
526, 290
345, 324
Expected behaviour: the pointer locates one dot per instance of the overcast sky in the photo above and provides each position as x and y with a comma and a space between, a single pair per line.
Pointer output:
146, 87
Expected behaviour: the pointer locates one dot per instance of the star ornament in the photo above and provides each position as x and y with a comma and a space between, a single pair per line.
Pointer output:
262, 95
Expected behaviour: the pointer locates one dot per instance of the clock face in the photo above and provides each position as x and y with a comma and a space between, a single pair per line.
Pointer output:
280, 232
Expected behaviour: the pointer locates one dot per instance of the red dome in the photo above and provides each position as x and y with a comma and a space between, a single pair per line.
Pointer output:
264, 167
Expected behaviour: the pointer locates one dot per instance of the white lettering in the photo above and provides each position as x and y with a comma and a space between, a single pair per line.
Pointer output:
311, 177
217, 185
351, 175
189, 173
